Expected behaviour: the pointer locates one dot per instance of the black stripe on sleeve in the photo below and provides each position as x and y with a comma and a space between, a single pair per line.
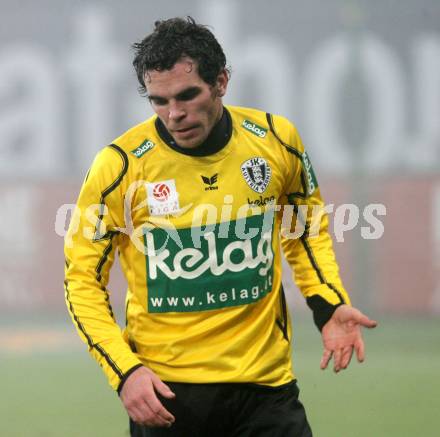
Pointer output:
108, 190
336, 291
283, 323
318, 271
322, 310
109, 305
109, 234
91, 344
101, 262
291, 197
312, 259
98, 270
118, 180
303, 183
289, 148
103, 259
126, 312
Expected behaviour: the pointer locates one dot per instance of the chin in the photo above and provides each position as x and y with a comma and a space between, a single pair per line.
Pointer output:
191, 143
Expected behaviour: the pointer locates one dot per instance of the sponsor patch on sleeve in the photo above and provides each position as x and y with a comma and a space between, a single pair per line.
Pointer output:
143, 148
311, 180
259, 131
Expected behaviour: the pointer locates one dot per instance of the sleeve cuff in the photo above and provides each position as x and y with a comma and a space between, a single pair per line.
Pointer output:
126, 375
322, 310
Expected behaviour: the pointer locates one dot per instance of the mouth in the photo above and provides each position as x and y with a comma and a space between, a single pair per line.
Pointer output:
184, 130
185, 134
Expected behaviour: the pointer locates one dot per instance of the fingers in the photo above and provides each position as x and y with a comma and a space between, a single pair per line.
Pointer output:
141, 413
149, 411
136, 414
158, 410
162, 388
347, 353
360, 350
326, 357
337, 355
341, 358
140, 399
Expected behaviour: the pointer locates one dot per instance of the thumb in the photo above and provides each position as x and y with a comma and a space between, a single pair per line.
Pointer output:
366, 322
162, 388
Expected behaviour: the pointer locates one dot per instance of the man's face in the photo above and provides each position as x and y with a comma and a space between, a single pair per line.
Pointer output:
187, 106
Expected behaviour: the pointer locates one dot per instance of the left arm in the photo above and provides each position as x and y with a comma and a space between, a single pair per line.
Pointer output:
313, 260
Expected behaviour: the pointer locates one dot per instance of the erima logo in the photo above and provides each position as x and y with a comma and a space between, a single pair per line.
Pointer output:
254, 128
210, 182
143, 148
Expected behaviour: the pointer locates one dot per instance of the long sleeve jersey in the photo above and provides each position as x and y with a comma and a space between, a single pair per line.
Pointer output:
199, 235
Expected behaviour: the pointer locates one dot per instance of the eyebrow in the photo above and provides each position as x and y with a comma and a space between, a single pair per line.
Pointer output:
184, 93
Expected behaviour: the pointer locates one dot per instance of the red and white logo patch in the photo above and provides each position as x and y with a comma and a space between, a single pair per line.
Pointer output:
161, 192
163, 197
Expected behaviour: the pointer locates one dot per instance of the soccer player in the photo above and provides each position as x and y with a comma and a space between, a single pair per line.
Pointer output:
194, 200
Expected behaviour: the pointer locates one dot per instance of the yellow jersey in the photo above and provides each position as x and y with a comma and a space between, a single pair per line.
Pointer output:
199, 235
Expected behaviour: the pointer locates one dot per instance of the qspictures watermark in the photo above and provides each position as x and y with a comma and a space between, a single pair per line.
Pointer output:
296, 221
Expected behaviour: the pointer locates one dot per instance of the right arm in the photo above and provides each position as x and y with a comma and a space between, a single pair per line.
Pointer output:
89, 250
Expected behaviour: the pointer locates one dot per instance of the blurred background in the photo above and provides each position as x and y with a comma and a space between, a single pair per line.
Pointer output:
361, 81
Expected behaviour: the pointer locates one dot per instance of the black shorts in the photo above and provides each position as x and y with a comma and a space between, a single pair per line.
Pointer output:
231, 410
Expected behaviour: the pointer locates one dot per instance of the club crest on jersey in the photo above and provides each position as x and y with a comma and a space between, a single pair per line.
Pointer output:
163, 197
256, 173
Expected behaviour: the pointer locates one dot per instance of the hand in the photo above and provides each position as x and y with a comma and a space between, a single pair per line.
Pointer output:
341, 334
138, 395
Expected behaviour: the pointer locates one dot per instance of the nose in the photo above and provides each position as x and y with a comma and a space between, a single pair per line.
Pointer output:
176, 112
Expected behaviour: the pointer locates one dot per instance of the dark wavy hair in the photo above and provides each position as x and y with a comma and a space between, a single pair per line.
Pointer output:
174, 39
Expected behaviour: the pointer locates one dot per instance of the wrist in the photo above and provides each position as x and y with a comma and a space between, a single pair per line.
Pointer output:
126, 376
322, 310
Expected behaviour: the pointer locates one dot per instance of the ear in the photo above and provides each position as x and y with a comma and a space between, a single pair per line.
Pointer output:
222, 83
